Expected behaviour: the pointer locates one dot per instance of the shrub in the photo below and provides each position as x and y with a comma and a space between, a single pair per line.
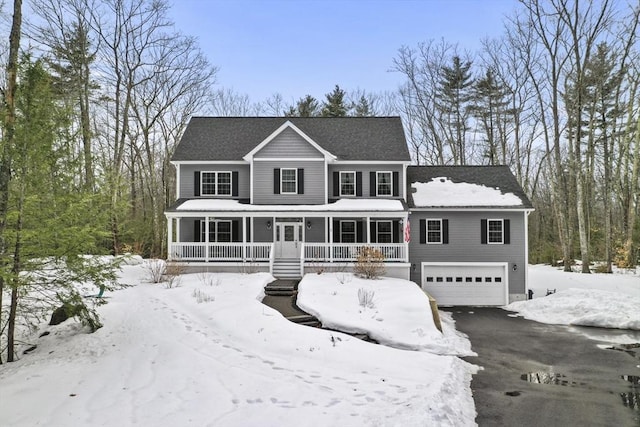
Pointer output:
365, 298
370, 263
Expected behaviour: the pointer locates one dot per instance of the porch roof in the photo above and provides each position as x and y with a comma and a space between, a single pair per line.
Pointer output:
341, 205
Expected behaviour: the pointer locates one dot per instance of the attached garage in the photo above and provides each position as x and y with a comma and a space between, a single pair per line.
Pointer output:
477, 284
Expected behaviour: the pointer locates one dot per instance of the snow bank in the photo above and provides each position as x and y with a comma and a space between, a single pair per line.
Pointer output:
400, 316
601, 300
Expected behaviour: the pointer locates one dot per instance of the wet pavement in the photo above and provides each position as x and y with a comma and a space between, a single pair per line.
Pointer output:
547, 375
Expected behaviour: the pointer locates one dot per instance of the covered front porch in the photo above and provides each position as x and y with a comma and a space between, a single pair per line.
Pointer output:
271, 235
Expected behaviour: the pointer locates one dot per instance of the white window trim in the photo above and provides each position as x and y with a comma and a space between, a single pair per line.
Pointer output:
441, 231
501, 242
203, 230
390, 183
295, 175
216, 192
355, 230
390, 233
340, 183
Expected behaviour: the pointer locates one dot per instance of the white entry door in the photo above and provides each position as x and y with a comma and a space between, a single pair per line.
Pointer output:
288, 238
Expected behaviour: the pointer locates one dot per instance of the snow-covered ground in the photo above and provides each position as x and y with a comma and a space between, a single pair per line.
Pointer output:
209, 353
602, 300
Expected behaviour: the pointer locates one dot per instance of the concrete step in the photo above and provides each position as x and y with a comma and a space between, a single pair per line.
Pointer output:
281, 293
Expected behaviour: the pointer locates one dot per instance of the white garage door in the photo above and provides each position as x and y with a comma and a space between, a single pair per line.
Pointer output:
466, 284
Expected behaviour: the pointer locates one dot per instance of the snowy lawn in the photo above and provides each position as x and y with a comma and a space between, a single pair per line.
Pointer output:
398, 316
209, 353
602, 300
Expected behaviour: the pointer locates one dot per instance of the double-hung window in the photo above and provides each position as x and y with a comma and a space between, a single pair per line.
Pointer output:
347, 183
384, 183
434, 231
219, 231
495, 231
215, 184
288, 181
384, 232
347, 231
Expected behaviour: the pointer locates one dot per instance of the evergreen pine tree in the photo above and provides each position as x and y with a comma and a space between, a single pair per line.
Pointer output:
307, 106
490, 107
455, 87
334, 105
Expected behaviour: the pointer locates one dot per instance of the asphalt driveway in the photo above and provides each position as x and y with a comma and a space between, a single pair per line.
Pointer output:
546, 375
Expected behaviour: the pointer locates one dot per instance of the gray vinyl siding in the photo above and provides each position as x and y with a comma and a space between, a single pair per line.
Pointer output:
366, 169
288, 144
187, 184
315, 234
263, 193
465, 244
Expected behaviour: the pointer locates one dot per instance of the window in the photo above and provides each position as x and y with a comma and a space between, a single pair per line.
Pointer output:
434, 231
384, 184
347, 231
494, 231
215, 183
347, 183
288, 181
384, 233
219, 231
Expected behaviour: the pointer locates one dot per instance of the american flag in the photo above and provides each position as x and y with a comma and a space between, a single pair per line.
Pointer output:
407, 231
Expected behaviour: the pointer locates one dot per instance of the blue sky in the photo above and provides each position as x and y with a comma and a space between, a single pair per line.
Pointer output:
307, 47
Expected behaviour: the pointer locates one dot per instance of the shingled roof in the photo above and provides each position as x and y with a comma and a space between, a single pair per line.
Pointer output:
493, 177
347, 138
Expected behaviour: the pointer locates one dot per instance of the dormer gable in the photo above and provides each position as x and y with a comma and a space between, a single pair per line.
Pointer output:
288, 141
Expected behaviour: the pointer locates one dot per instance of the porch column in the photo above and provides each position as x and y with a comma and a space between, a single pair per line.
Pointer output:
178, 230
368, 229
330, 248
169, 237
206, 238
244, 238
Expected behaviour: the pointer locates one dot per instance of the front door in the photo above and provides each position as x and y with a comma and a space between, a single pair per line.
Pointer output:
288, 238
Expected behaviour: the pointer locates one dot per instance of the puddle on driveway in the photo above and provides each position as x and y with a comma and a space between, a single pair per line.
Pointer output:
630, 399
549, 378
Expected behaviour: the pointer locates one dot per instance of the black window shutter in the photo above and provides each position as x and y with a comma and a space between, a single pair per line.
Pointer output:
445, 231
336, 184
196, 230
359, 184
247, 225
395, 225
234, 183
196, 183
235, 230
374, 231
423, 231
301, 181
359, 231
483, 231
276, 181
396, 184
507, 232
372, 184
336, 231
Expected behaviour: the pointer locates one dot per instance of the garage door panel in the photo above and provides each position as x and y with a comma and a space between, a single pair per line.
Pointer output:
465, 284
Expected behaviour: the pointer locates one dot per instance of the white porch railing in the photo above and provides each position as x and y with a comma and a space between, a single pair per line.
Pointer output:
310, 252
323, 252
189, 251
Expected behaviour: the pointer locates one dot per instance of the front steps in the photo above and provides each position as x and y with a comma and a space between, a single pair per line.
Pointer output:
286, 268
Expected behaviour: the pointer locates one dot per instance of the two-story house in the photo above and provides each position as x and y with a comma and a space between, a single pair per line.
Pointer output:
294, 195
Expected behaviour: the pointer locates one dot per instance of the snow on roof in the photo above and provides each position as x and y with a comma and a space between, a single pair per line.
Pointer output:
340, 205
441, 191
